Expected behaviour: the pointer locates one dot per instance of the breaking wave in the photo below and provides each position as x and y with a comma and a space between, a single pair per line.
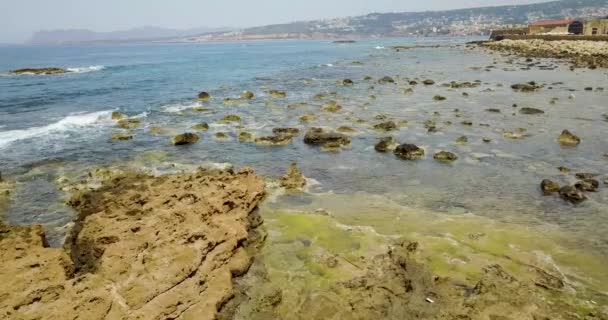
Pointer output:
85, 69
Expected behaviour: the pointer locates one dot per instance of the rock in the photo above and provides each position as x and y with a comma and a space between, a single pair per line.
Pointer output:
233, 102
386, 144
486, 140
548, 187
332, 106
222, 136
409, 152
526, 87
280, 140
467, 123
231, 118
514, 135
307, 118
122, 136
277, 94
445, 156
131, 123
44, 71
408, 91
294, 179
204, 96
413, 83
117, 115
247, 95
292, 132
462, 140
386, 126
527, 110
201, 126
331, 147
346, 130
439, 98
588, 185
588, 88
572, 194
347, 82
317, 136
367, 78
184, 139
493, 110
428, 82
245, 136
569, 139
563, 169
386, 79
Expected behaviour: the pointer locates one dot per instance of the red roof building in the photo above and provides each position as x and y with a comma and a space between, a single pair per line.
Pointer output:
552, 23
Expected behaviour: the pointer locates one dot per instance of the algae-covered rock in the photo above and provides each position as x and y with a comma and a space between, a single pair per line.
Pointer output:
122, 136
386, 79
332, 106
572, 195
445, 156
184, 139
245, 136
222, 136
318, 136
386, 126
528, 110
130, 123
247, 95
346, 130
294, 179
587, 185
347, 82
117, 115
409, 152
203, 126
292, 132
204, 96
276, 140
549, 187
428, 82
526, 87
439, 98
39, 71
386, 144
307, 118
277, 94
231, 118
567, 138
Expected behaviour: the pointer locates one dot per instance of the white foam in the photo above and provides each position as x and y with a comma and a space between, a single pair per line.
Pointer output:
69, 123
179, 107
85, 69
379, 48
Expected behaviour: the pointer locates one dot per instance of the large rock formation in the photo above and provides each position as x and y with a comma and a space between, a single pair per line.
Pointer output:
143, 248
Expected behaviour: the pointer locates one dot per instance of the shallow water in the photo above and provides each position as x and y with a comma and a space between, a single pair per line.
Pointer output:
54, 127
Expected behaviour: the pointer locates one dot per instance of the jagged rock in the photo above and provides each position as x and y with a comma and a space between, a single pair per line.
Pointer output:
277, 94
122, 136
231, 118
294, 179
44, 71
247, 95
428, 82
386, 79
318, 136
117, 115
527, 110
386, 126
204, 96
201, 126
409, 152
569, 139
386, 144
184, 139
587, 185
445, 156
131, 123
572, 194
548, 187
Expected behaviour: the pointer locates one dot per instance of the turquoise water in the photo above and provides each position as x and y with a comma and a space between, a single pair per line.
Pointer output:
58, 126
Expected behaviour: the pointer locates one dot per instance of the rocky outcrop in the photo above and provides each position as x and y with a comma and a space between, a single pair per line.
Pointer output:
143, 248
386, 126
130, 123
277, 94
409, 152
445, 156
526, 87
294, 179
45, 71
567, 138
247, 95
549, 187
318, 136
572, 194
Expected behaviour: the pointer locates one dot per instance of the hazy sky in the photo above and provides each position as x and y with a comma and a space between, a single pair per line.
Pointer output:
20, 18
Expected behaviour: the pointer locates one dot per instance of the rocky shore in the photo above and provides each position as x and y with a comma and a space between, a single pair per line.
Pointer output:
590, 54
143, 247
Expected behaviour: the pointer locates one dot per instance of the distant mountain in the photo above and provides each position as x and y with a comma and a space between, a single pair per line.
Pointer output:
475, 21
137, 34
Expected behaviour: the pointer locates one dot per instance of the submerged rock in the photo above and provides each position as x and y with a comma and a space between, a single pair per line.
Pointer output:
549, 187
122, 136
117, 115
245, 136
277, 94
386, 126
346, 130
569, 139
222, 136
231, 118
247, 95
184, 139
307, 118
409, 152
277, 140
386, 144
44, 71
201, 126
445, 156
439, 98
462, 140
428, 82
292, 132
347, 82
204, 96
294, 179
131, 123
527, 110
586, 175
572, 195
317, 136
332, 106
332, 147
526, 87
386, 79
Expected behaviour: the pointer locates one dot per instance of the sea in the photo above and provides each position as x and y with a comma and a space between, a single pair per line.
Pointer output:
55, 130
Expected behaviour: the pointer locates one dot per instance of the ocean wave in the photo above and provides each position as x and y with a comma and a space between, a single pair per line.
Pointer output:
85, 69
69, 123
380, 48
179, 107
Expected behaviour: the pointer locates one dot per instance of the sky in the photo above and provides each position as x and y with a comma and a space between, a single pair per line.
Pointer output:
20, 18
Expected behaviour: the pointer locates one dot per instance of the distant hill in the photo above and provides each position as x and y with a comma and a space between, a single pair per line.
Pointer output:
137, 34
462, 21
